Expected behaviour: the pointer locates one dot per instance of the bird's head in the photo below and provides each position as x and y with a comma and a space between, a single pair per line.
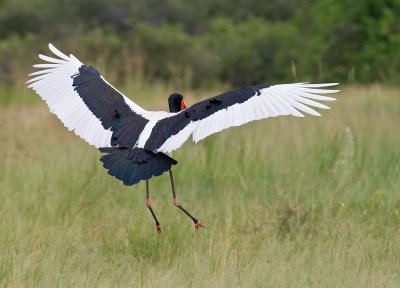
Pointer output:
176, 103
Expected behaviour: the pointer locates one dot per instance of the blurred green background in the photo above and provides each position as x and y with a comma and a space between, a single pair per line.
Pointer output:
199, 43
287, 202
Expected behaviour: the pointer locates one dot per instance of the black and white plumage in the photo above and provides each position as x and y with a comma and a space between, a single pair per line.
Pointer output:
138, 143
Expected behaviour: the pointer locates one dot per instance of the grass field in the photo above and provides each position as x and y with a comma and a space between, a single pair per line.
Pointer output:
287, 202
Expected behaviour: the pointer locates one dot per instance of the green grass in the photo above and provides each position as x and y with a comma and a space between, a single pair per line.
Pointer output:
287, 202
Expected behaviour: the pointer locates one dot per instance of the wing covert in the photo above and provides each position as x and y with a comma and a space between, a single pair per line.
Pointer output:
235, 108
86, 103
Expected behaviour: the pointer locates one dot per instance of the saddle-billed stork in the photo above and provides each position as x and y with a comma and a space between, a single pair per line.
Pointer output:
136, 143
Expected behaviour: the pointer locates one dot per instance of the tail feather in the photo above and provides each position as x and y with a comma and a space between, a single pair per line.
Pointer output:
133, 165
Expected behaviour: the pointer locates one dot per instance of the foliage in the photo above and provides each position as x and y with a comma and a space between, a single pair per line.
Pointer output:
287, 202
201, 43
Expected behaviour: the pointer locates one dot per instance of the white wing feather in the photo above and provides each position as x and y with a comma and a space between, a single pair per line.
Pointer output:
54, 82
54, 85
285, 99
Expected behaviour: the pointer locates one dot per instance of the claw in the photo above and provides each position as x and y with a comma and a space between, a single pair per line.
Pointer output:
198, 225
158, 229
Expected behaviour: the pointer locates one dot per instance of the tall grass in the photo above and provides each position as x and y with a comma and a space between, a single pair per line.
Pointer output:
287, 202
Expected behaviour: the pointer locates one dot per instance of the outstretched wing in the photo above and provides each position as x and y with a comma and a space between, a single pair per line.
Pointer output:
235, 108
86, 103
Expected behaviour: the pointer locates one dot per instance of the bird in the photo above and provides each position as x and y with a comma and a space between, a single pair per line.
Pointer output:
137, 144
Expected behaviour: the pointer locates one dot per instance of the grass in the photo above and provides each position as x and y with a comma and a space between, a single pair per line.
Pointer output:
287, 202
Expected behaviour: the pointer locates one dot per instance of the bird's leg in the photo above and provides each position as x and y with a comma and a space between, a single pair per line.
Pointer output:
148, 204
197, 223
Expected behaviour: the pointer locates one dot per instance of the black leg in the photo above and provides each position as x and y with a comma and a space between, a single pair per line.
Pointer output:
148, 204
197, 223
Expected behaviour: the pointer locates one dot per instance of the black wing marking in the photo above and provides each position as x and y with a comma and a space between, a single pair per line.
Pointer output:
168, 127
109, 107
235, 108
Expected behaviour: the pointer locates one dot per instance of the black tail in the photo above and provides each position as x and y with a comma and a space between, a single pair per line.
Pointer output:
132, 165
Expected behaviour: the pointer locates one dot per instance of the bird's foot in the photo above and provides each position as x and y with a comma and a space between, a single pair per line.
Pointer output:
158, 228
198, 225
